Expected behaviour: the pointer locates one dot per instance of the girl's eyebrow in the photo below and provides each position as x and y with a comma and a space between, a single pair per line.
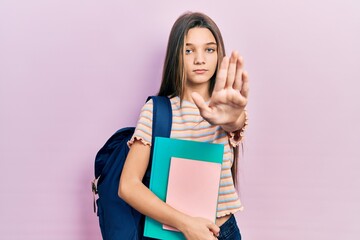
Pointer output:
209, 43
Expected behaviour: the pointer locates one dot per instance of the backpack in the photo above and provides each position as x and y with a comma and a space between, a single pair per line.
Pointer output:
117, 219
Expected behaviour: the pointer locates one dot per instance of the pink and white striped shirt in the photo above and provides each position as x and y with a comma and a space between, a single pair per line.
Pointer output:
188, 124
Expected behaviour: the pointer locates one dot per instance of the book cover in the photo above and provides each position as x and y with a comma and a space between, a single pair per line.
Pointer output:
193, 187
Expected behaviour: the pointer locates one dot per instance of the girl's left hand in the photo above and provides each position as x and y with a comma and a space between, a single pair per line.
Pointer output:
229, 97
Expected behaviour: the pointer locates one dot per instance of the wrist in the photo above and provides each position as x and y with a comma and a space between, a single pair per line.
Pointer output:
182, 222
239, 125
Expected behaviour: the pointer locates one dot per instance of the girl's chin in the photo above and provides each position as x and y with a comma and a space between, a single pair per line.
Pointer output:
199, 80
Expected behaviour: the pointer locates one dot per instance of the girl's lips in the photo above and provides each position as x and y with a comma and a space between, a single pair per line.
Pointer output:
200, 71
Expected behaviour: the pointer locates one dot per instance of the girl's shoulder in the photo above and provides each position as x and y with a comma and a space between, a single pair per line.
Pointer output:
147, 108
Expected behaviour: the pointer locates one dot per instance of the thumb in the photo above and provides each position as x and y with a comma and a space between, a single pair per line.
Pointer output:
200, 103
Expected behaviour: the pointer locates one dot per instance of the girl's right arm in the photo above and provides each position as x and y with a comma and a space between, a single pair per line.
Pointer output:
135, 193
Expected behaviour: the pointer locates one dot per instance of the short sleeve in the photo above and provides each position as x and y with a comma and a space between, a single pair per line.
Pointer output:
143, 130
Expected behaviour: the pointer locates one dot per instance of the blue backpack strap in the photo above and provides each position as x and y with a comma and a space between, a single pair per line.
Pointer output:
162, 117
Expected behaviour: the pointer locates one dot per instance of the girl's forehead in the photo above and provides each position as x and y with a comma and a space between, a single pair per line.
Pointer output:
198, 36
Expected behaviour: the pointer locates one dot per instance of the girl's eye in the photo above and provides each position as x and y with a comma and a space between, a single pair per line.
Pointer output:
210, 50
188, 51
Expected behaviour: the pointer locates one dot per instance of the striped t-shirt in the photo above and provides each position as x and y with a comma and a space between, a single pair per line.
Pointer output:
188, 124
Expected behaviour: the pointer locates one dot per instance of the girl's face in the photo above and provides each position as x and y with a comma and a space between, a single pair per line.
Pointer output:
200, 56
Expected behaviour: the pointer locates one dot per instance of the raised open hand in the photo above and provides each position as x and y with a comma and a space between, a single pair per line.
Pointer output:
230, 94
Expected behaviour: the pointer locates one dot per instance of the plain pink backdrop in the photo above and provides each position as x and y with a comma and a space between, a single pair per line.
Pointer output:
73, 72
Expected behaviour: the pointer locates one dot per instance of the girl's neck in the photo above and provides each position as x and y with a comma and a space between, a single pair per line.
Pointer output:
203, 90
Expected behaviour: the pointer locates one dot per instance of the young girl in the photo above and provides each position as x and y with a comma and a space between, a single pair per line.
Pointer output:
208, 94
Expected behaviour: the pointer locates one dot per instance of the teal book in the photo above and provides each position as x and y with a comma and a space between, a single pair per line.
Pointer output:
164, 150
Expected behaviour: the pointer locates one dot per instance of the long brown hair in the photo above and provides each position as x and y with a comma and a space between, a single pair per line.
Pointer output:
173, 76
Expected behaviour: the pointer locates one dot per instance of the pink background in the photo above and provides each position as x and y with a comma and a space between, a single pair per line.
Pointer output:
72, 72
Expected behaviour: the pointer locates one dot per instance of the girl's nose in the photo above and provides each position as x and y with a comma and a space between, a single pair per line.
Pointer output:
199, 59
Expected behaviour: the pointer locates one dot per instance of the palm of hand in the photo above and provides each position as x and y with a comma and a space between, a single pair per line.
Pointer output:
225, 106
229, 97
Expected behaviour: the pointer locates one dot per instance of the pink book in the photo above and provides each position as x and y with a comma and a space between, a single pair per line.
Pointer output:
193, 187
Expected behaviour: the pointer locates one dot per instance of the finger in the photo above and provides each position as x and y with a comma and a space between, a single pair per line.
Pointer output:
200, 103
239, 72
214, 229
231, 70
245, 85
221, 75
